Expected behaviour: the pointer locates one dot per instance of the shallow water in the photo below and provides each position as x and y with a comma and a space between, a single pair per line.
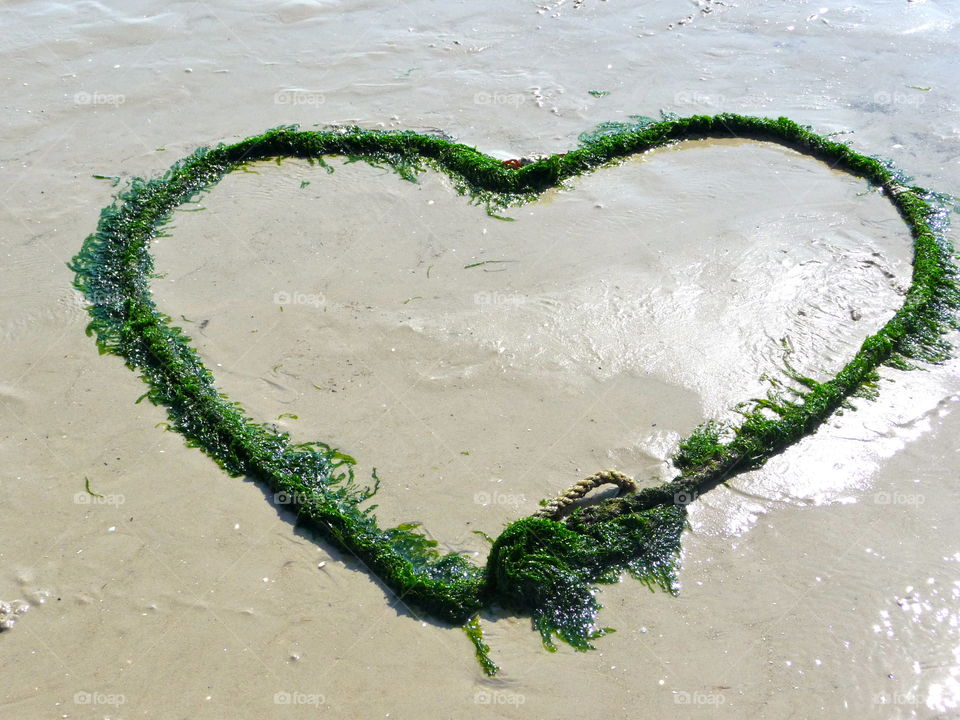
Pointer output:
627, 309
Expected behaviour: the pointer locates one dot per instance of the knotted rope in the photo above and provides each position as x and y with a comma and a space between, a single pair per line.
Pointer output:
554, 509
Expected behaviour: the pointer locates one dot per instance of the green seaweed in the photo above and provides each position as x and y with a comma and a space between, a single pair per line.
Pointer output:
547, 569
86, 486
115, 179
486, 262
606, 129
482, 651
702, 447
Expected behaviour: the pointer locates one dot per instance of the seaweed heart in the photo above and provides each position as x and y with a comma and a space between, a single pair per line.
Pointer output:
545, 565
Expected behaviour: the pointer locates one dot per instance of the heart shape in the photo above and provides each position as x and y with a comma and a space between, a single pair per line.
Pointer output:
541, 565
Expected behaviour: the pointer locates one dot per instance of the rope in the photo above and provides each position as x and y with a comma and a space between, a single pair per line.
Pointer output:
554, 509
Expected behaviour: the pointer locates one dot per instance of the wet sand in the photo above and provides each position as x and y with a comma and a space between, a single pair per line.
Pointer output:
610, 318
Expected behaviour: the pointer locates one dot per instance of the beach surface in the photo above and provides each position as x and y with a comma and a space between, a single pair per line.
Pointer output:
477, 365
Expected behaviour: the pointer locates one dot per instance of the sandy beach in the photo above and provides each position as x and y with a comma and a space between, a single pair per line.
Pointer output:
477, 365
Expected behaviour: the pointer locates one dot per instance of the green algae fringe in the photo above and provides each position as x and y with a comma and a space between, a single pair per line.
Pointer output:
544, 568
